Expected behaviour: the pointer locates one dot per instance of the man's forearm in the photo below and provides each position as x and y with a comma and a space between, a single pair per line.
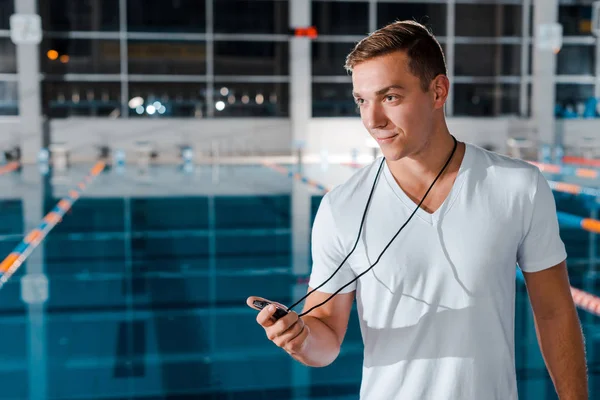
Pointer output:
321, 347
562, 346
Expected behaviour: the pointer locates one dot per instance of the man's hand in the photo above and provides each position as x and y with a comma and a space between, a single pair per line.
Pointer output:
289, 332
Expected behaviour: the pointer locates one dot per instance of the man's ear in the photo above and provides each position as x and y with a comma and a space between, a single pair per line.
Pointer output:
440, 87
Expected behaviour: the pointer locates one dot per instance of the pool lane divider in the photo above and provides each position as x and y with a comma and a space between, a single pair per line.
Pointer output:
573, 221
291, 174
562, 187
9, 167
588, 162
567, 170
18, 256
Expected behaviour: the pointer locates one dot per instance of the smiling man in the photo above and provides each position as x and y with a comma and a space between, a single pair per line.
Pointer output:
426, 240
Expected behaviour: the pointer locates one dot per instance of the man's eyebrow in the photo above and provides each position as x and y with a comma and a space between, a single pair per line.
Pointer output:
382, 91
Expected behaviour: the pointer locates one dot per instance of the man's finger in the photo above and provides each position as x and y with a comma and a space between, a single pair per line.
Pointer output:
289, 334
265, 317
296, 344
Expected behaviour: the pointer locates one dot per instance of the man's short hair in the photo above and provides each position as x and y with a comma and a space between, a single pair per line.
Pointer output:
424, 51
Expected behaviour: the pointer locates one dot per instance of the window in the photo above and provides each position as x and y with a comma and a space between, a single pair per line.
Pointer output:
487, 59
62, 56
7, 8
576, 60
237, 99
256, 16
79, 15
167, 99
333, 100
181, 16
431, 15
486, 100
329, 58
491, 20
67, 99
251, 58
8, 61
340, 18
166, 57
9, 98
571, 98
575, 20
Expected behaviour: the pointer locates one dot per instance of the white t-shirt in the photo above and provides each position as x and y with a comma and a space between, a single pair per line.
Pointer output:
437, 312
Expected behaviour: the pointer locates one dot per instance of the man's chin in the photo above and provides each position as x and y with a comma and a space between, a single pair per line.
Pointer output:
391, 154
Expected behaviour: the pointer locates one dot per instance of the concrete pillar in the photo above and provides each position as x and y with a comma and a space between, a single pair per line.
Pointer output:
210, 56
30, 128
544, 65
33, 287
300, 115
28, 69
124, 53
300, 73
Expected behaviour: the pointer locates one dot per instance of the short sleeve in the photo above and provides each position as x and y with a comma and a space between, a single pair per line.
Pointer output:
328, 253
541, 246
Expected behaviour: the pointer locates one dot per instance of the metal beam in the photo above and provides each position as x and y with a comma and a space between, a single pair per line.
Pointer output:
450, 41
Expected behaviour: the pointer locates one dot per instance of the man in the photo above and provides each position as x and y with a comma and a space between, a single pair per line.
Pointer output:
437, 310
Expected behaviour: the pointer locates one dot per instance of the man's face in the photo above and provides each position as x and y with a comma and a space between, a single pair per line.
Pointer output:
393, 106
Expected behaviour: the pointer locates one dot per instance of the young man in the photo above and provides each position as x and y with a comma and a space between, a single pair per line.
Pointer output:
437, 309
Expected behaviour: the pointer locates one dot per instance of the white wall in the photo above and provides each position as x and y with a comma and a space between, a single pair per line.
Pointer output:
258, 137
251, 136
580, 132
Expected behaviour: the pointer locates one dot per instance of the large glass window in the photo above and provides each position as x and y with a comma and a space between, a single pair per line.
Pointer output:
432, 15
67, 99
166, 57
82, 56
167, 99
340, 18
488, 20
7, 8
79, 15
188, 16
486, 100
9, 98
256, 16
241, 99
333, 100
572, 97
575, 19
251, 58
329, 58
487, 59
8, 61
576, 60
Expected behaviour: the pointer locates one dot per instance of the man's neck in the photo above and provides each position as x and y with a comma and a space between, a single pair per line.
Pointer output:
424, 165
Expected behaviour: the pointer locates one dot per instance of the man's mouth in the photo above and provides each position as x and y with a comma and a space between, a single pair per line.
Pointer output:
385, 139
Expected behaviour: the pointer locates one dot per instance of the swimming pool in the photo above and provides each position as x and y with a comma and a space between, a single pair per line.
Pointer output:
148, 277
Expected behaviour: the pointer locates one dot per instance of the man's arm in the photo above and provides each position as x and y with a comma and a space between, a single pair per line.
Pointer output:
558, 330
316, 338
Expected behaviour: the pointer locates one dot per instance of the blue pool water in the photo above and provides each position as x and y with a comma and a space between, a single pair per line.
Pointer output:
148, 281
